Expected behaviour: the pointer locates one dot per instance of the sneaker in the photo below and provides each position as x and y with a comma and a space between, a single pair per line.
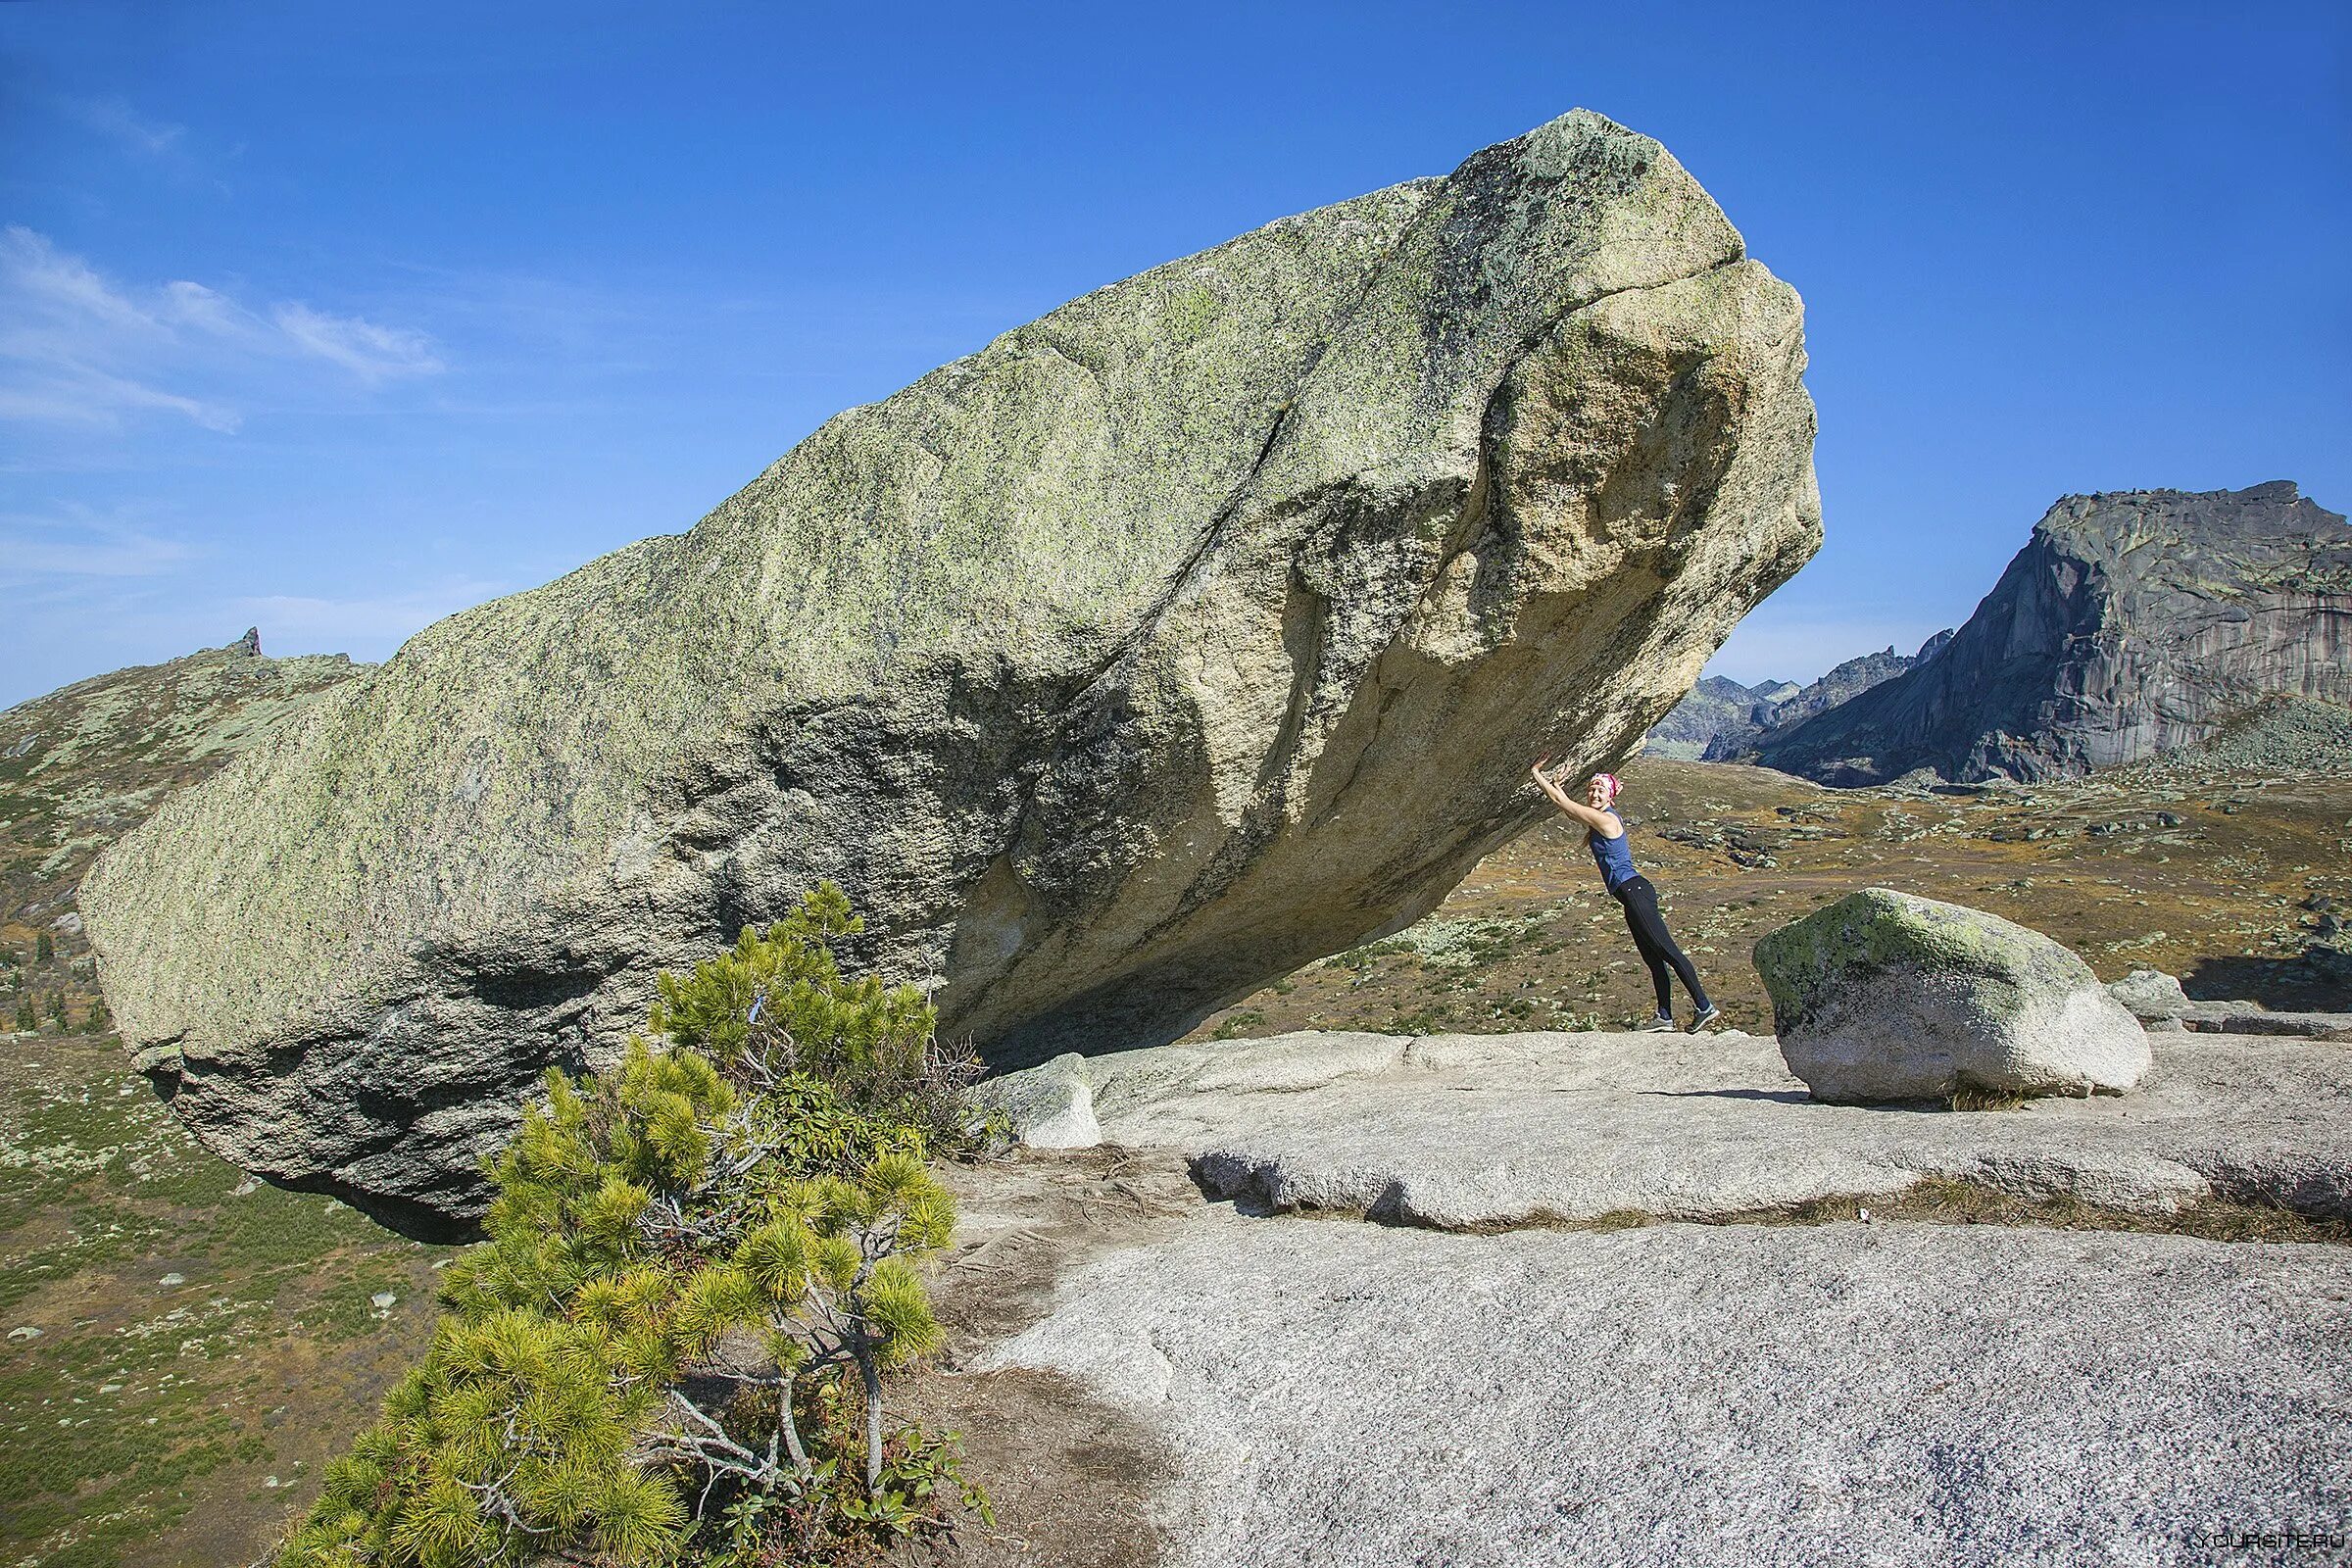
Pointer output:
1712, 1014
1660, 1025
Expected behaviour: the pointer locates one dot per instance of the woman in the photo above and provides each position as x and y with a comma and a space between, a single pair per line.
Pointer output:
1605, 835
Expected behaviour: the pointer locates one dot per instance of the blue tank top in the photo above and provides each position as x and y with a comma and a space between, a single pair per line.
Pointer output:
1614, 856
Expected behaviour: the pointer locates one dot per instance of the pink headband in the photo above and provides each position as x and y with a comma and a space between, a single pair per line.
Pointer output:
1615, 789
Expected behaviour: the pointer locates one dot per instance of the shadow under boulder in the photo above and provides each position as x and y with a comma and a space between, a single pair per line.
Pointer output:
2317, 980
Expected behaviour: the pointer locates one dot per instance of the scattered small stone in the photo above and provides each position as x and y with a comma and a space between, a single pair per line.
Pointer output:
383, 1300
172, 1279
28, 1332
1048, 1108
2151, 995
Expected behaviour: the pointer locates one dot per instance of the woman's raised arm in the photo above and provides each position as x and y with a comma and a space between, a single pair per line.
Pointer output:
1600, 822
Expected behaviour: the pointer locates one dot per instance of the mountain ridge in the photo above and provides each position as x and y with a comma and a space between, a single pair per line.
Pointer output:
1723, 722
2131, 625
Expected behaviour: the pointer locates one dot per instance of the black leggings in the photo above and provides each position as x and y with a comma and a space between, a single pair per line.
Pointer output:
1658, 951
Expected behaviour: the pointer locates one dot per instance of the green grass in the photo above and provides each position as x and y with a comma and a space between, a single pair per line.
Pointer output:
139, 1426
1968, 1097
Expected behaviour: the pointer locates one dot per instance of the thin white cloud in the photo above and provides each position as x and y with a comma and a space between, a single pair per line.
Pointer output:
368, 351
116, 121
188, 304
43, 276
84, 546
79, 348
366, 621
89, 397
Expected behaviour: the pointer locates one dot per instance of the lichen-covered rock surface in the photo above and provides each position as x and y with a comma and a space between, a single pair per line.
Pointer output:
82, 766
1886, 996
1197, 629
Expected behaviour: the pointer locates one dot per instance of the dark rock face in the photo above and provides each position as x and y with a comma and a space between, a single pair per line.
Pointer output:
1723, 721
2131, 625
1842, 684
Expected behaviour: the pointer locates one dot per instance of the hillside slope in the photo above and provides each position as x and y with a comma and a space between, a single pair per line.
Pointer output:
186, 1347
87, 762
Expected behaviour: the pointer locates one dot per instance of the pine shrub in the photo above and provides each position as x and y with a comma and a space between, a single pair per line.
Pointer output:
671, 1346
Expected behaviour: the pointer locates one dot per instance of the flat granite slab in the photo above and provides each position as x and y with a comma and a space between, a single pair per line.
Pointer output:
2247, 1018
1464, 1131
1342, 1393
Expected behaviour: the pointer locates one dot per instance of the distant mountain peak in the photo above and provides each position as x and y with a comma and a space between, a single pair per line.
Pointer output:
2132, 623
1722, 721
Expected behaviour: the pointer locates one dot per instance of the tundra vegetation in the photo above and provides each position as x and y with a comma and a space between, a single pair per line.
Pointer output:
698, 1269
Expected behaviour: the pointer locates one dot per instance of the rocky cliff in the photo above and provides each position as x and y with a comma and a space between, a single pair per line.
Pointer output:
1197, 629
1717, 706
1723, 721
2131, 625
1842, 684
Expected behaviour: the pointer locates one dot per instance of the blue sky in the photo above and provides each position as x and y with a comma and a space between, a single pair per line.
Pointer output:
334, 318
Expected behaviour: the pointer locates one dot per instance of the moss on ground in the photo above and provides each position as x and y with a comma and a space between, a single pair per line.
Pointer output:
198, 1334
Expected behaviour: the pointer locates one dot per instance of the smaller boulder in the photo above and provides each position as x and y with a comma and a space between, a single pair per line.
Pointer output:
1883, 996
2152, 996
1048, 1106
